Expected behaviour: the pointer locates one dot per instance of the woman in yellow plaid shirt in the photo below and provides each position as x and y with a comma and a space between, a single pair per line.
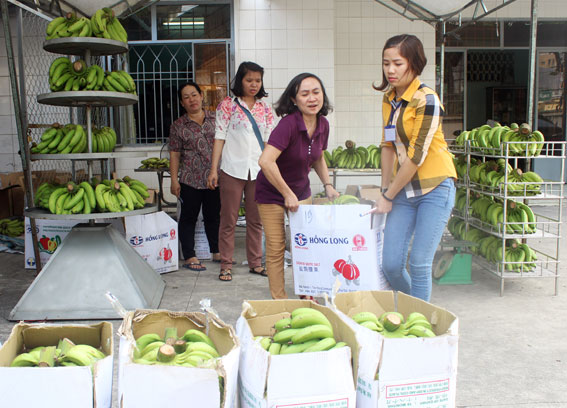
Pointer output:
418, 175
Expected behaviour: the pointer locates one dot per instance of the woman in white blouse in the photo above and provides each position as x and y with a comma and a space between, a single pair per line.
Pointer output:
240, 146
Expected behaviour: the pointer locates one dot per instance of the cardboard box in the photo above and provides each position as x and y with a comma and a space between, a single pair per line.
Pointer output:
294, 380
12, 194
77, 387
154, 236
362, 190
325, 238
141, 386
50, 235
153, 196
407, 372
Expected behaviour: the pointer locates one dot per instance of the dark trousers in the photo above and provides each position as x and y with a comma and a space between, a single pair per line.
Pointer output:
192, 201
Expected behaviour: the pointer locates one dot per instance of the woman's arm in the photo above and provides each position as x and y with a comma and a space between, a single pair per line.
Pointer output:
212, 180
271, 170
174, 172
395, 185
320, 167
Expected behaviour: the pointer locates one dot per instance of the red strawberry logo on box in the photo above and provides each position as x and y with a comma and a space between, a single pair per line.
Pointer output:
347, 269
166, 254
172, 234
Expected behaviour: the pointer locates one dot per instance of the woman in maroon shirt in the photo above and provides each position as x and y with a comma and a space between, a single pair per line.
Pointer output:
295, 146
191, 140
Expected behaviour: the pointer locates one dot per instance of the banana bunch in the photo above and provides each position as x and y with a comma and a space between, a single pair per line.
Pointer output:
521, 183
42, 194
119, 81
457, 227
65, 354
460, 162
191, 350
393, 325
344, 199
487, 172
68, 26
155, 163
520, 218
353, 157
85, 198
518, 256
120, 195
70, 198
12, 227
62, 139
65, 75
461, 201
305, 330
103, 140
490, 140
105, 25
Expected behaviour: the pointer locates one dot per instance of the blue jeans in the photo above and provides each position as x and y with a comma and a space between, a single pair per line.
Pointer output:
423, 218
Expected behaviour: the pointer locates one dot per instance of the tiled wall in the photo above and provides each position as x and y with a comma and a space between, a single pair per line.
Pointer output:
9, 160
339, 40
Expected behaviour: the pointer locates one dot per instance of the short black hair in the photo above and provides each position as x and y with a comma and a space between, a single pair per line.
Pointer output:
188, 83
243, 69
285, 106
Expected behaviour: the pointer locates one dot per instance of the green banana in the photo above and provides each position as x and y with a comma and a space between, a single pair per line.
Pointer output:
317, 331
298, 348
308, 319
285, 336
198, 336
364, 317
322, 345
283, 324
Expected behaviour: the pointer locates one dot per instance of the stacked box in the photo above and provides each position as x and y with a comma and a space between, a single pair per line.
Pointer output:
141, 386
77, 387
299, 380
409, 372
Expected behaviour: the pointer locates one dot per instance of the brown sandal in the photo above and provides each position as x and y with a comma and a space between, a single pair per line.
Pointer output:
225, 275
260, 272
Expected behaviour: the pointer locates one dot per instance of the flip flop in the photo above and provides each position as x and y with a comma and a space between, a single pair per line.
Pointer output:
262, 272
225, 275
195, 266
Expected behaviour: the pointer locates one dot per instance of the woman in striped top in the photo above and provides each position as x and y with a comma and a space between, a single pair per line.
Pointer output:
418, 175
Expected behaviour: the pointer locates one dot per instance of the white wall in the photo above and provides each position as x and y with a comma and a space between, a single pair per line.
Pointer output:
9, 160
340, 41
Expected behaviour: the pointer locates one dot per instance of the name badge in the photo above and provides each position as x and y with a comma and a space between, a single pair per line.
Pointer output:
390, 133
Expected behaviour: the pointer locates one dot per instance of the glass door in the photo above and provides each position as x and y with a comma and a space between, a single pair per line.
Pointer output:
551, 95
454, 93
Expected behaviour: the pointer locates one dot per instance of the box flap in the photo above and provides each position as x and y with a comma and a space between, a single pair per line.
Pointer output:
259, 316
405, 358
336, 217
144, 321
172, 383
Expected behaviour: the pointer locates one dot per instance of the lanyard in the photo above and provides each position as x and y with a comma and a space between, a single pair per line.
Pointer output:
395, 107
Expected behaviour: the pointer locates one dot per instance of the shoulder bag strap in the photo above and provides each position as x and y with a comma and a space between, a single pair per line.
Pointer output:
253, 122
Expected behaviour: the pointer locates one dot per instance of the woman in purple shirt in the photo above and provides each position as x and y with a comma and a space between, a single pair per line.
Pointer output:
295, 146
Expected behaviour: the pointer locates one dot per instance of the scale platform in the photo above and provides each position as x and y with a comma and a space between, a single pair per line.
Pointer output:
92, 260
453, 268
